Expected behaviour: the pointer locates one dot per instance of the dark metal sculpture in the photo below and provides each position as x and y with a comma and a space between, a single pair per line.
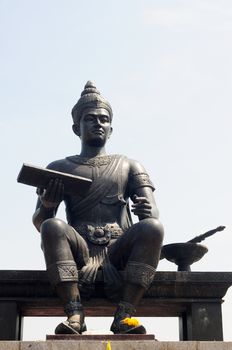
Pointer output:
207, 234
99, 233
185, 254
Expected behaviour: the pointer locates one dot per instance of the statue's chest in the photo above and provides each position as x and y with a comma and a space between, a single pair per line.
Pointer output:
108, 174
89, 172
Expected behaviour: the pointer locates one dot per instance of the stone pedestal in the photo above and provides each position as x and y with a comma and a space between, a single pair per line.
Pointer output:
194, 297
115, 345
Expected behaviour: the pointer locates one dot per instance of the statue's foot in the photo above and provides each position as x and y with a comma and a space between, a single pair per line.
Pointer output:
123, 322
127, 326
75, 323
70, 327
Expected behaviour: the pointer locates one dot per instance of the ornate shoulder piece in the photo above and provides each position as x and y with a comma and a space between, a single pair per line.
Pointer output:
92, 162
140, 180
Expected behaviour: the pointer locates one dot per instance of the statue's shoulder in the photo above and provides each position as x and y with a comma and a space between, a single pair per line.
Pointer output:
135, 167
59, 165
131, 166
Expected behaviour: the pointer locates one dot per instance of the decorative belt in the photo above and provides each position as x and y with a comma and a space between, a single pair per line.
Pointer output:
99, 234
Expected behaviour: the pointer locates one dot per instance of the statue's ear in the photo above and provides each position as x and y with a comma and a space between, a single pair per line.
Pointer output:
76, 129
110, 133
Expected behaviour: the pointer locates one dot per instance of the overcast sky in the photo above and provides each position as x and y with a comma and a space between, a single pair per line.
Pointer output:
165, 67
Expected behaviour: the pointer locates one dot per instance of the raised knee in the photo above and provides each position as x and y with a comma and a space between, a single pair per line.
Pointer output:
153, 229
52, 227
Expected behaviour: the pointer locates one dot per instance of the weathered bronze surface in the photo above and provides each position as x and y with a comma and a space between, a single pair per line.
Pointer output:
40, 177
186, 253
207, 234
99, 233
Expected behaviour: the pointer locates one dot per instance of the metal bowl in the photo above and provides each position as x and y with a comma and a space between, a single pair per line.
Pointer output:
184, 254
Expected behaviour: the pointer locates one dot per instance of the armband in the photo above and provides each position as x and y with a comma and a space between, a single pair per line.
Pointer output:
140, 180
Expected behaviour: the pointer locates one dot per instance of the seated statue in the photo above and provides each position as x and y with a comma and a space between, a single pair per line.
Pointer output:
99, 233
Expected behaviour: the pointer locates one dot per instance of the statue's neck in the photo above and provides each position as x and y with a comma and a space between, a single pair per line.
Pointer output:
91, 152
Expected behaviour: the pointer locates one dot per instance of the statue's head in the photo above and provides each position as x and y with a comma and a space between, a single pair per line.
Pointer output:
92, 117
90, 98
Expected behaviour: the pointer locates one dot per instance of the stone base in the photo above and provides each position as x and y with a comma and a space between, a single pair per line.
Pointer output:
194, 297
115, 345
101, 337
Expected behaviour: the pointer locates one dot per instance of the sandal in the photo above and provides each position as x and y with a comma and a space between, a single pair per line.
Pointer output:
123, 323
70, 327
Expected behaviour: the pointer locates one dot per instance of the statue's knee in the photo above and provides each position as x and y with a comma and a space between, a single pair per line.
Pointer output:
52, 228
153, 230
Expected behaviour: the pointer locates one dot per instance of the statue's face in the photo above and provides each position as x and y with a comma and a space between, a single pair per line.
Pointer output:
95, 126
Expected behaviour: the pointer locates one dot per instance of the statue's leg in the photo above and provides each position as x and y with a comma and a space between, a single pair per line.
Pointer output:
137, 252
65, 252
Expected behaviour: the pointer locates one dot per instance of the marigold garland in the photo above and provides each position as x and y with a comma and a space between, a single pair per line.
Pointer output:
130, 321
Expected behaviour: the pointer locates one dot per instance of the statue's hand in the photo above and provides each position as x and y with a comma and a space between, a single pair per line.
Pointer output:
141, 207
53, 195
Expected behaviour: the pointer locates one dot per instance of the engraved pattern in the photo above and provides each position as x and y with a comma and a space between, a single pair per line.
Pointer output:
140, 180
72, 307
62, 271
90, 97
99, 234
92, 162
139, 273
67, 271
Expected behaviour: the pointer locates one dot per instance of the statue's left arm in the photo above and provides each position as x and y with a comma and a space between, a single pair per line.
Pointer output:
141, 192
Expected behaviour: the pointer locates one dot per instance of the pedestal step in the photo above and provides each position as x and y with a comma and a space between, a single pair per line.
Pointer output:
115, 345
101, 337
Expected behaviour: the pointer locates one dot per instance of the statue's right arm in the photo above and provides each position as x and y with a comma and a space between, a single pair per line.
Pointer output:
48, 202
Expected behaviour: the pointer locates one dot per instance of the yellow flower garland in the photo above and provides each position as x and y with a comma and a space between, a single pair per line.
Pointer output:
130, 321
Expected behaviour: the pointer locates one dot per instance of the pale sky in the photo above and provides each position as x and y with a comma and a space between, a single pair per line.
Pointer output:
165, 67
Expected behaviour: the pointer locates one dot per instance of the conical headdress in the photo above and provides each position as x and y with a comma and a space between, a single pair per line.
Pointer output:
90, 98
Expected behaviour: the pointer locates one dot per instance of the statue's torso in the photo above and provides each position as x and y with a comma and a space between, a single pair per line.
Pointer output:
106, 202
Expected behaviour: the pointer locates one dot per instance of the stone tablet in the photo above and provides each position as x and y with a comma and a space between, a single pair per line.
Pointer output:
40, 177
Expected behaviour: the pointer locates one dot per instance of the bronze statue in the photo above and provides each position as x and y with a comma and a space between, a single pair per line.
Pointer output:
99, 233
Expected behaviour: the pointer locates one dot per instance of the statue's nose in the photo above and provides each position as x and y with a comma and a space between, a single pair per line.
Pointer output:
98, 121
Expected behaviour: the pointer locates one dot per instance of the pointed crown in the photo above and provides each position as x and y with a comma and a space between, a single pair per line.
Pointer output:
90, 98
